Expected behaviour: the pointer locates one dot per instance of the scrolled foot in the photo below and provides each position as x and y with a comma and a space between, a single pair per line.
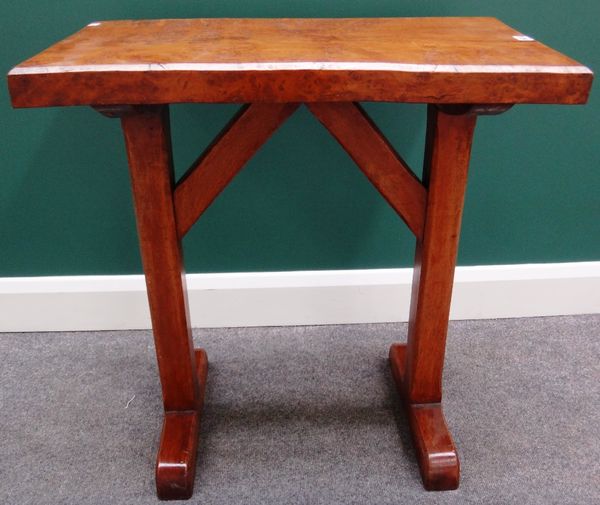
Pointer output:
436, 453
176, 460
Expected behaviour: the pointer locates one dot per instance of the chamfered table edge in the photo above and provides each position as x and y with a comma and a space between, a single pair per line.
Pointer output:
567, 82
565, 85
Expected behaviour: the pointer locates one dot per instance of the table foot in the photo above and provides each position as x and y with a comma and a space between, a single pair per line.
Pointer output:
176, 460
436, 453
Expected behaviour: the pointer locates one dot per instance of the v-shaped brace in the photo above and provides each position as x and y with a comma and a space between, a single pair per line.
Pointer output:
255, 123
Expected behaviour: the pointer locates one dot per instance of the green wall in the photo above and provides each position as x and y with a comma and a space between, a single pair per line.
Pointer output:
65, 205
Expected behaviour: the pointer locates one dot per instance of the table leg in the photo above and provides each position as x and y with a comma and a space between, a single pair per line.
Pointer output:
417, 366
182, 369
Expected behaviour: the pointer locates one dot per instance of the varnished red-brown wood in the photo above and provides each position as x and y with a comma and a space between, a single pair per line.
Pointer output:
434, 447
448, 149
182, 370
460, 66
148, 142
224, 158
417, 367
428, 60
177, 453
378, 160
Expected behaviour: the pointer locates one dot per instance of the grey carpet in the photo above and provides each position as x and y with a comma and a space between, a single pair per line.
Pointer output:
305, 415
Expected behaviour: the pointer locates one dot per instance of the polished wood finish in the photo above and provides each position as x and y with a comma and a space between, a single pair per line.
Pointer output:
178, 448
436, 453
182, 370
148, 145
378, 160
461, 67
224, 158
448, 148
417, 368
427, 60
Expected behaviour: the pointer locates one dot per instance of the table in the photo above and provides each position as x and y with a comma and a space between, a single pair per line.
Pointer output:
460, 67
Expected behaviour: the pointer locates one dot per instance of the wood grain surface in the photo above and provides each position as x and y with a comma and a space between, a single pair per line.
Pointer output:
445, 170
182, 368
461, 67
429, 60
375, 156
148, 143
214, 169
434, 447
417, 366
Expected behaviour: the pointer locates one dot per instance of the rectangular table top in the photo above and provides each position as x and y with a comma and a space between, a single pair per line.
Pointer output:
428, 60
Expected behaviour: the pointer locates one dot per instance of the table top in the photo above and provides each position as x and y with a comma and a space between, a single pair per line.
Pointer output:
428, 60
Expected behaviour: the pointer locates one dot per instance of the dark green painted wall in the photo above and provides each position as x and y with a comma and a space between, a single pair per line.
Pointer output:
65, 206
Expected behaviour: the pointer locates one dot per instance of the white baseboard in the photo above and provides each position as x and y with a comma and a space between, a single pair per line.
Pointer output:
297, 298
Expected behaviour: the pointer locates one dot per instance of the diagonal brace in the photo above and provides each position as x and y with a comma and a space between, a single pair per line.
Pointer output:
370, 150
224, 158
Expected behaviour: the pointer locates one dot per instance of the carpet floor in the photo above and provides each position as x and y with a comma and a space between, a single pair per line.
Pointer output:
305, 415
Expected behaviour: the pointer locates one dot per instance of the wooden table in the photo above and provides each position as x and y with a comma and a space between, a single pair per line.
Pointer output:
461, 67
